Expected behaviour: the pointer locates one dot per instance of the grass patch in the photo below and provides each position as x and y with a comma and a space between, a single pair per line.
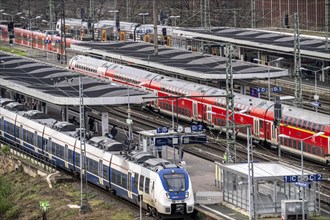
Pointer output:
122, 216
5, 149
13, 51
5, 192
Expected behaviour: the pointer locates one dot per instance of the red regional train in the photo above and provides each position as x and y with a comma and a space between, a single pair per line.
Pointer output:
47, 41
296, 122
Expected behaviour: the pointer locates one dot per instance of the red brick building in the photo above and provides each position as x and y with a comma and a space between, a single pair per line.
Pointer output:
312, 13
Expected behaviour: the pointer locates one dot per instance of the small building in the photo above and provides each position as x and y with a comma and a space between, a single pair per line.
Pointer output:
272, 183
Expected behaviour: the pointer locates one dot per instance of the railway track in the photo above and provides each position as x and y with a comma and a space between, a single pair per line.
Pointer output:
214, 150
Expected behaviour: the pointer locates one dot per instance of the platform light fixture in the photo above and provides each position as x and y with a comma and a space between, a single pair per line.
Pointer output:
269, 62
316, 97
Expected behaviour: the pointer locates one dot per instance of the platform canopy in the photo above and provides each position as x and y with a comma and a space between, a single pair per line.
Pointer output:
188, 64
265, 171
61, 87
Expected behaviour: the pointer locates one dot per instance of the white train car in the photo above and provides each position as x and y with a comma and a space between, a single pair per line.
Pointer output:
166, 189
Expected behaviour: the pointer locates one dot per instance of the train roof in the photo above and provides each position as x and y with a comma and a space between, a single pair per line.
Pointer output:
270, 40
60, 86
186, 63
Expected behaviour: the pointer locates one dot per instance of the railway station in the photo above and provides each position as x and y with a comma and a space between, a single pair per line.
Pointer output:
188, 169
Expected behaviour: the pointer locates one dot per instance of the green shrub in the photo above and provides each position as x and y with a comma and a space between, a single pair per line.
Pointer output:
5, 191
5, 149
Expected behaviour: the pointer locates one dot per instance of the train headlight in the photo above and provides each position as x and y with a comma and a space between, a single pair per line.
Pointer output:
167, 195
187, 195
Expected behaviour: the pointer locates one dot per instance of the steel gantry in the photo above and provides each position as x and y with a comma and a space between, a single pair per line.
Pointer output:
230, 108
297, 63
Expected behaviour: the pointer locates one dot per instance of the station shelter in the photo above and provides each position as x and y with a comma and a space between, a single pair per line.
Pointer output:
270, 184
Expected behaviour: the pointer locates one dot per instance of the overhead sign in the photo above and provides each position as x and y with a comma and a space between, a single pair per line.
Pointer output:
160, 141
315, 177
254, 92
162, 130
303, 184
261, 90
193, 139
196, 127
290, 179
277, 89
316, 104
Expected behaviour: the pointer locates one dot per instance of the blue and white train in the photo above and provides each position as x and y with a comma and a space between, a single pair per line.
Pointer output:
166, 188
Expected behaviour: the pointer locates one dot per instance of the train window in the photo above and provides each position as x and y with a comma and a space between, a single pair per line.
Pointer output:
119, 178
49, 148
313, 150
314, 127
299, 124
16, 132
294, 122
141, 183
100, 168
304, 124
304, 146
318, 151
322, 128
124, 181
309, 125
105, 172
113, 176
53, 148
66, 152
284, 119
294, 144
309, 148
77, 157
70, 156
146, 186
136, 178
261, 124
289, 143
319, 127
322, 152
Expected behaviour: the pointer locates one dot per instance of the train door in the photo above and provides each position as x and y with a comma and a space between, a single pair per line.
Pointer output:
209, 113
101, 172
129, 185
256, 127
156, 101
268, 130
152, 191
195, 111
66, 157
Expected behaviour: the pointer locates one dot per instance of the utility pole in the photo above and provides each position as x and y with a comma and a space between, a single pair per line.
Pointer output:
154, 11
51, 15
84, 207
327, 24
253, 13
250, 173
128, 10
91, 18
207, 25
201, 8
230, 108
63, 36
297, 63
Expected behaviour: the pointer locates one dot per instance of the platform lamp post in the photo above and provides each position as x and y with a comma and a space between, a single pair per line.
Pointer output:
12, 16
316, 97
269, 62
143, 21
302, 162
175, 17
30, 26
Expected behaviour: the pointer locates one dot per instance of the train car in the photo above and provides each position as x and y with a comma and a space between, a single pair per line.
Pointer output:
259, 114
166, 188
